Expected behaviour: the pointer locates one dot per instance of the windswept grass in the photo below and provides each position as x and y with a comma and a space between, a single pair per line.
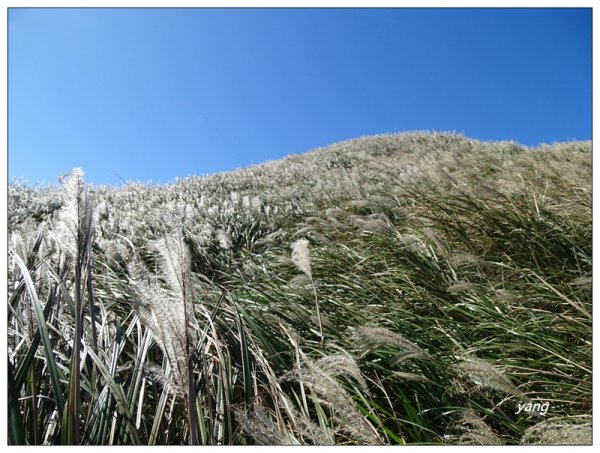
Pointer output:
403, 289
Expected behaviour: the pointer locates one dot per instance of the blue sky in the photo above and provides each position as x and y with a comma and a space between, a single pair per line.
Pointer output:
154, 94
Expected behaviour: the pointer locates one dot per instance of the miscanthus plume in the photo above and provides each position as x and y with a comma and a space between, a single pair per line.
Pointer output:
301, 258
73, 228
168, 310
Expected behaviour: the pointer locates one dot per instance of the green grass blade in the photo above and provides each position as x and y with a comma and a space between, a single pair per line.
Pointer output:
64, 291
45, 336
119, 395
25, 364
16, 431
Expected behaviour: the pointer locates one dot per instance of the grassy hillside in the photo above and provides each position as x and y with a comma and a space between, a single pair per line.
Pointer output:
400, 289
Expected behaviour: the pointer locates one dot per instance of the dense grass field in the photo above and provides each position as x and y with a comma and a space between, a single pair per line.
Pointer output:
400, 289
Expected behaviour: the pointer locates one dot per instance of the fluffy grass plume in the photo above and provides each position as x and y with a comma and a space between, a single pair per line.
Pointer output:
486, 375
320, 377
301, 258
169, 314
577, 432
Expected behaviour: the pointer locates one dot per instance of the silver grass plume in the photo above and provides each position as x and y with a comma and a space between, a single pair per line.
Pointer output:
464, 259
319, 377
477, 432
558, 433
74, 227
176, 266
307, 429
410, 376
369, 338
459, 287
164, 316
223, 239
334, 213
169, 314
259, 425
484, 374
301, 258
341, 364
157, 375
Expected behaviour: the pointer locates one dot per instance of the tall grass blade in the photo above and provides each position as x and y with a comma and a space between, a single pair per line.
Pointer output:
120, 397
27, 361
16, 430
44, 335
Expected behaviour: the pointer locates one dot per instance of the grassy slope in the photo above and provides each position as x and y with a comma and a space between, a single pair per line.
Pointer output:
453, 279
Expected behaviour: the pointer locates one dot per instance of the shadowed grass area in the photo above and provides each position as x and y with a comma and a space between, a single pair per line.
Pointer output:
405, 289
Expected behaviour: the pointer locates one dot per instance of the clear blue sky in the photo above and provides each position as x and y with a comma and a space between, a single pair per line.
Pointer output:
160, 93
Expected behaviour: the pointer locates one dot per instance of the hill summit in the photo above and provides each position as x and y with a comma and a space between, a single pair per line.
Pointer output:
397, 289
